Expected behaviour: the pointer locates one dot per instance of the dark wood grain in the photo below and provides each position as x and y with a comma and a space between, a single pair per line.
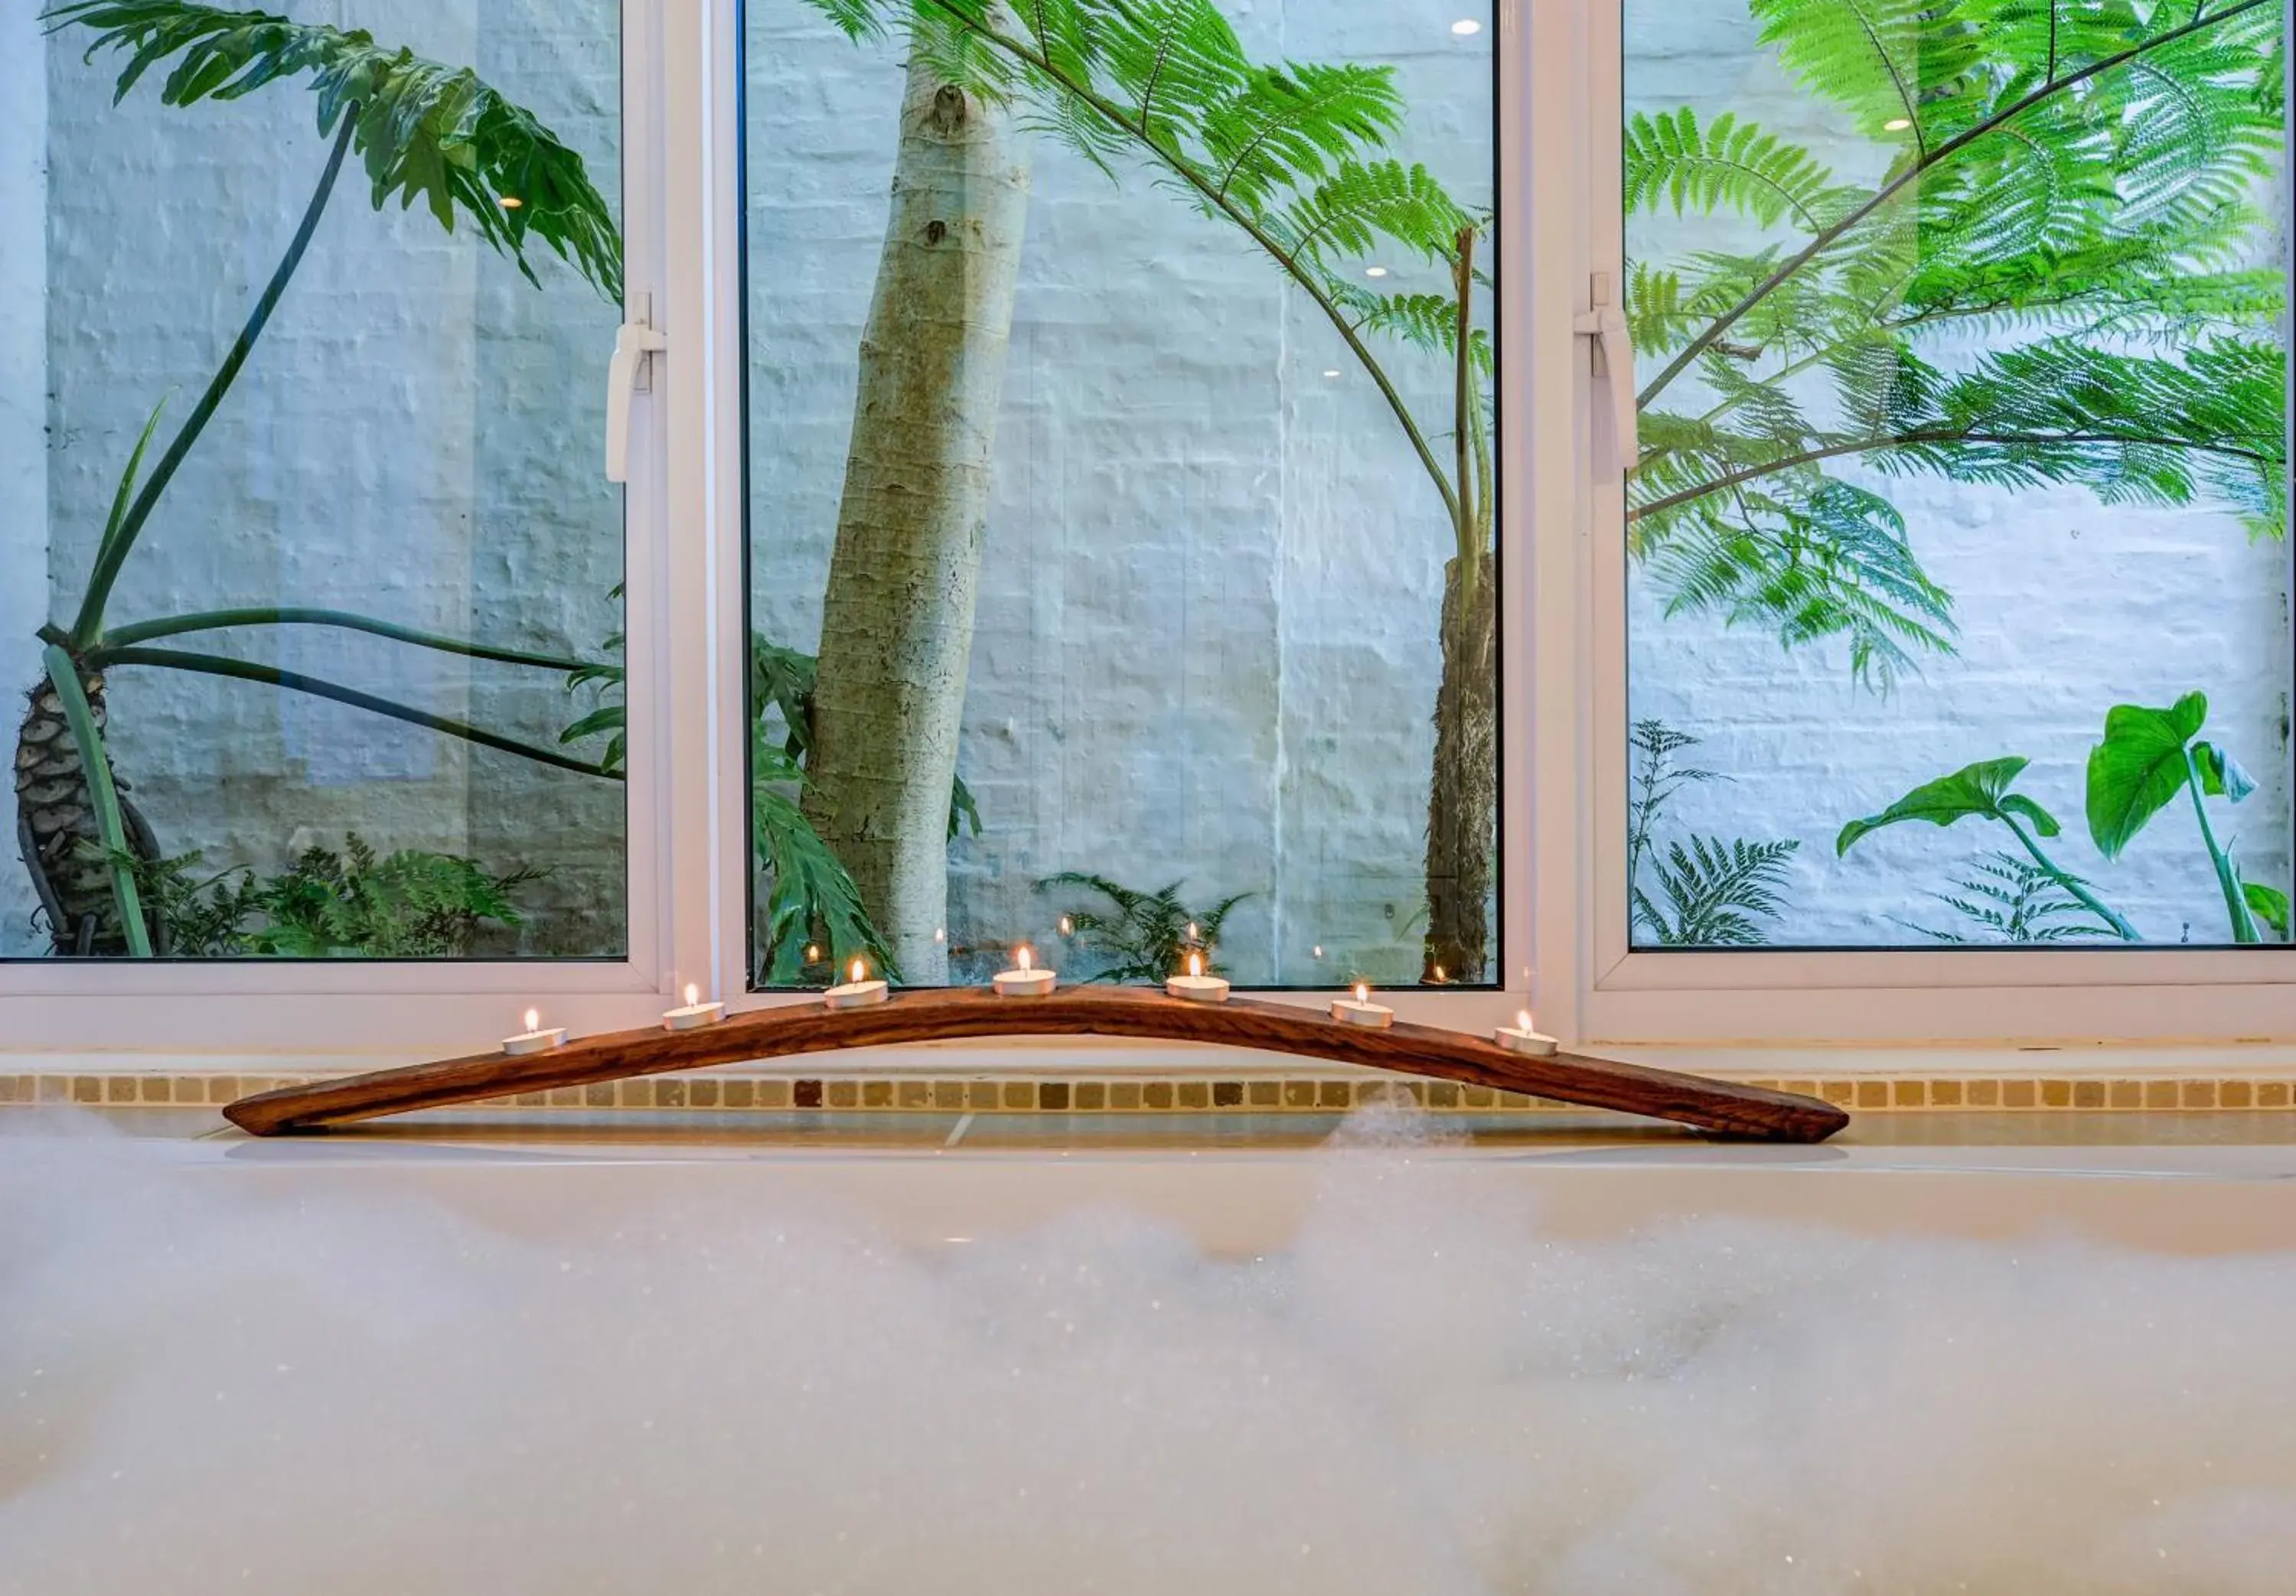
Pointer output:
938, 1016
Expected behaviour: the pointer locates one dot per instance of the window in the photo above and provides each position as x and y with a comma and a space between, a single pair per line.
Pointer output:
1122, 508
1060, 509
1957, 606
308, 559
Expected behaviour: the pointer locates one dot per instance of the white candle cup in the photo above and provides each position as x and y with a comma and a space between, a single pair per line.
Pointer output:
1359, 1009
535, 1038
856, 995
1524, 1041
694, 1015
1024, 980
1193, 986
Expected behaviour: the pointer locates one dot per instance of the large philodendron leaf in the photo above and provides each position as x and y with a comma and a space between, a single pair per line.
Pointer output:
1979, 789
438, 134
2139, 767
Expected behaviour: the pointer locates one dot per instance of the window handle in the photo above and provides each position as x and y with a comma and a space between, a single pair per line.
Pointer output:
1613, 355
630, 372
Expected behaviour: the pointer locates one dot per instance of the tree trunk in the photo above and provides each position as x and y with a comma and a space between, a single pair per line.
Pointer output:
56, 826
896, 621
1463, 800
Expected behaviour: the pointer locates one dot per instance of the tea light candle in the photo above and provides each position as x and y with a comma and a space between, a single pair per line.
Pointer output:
859, 992
694, 1015
1361, 1010
1196, 986
534, 1039
1521, 1038
1024, 980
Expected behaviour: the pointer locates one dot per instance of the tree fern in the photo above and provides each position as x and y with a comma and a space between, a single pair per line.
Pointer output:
2075, 184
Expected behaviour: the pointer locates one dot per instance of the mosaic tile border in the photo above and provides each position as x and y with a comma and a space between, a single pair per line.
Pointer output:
1045, 1093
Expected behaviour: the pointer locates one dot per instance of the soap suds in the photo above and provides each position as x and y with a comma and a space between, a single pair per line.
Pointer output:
207, 1387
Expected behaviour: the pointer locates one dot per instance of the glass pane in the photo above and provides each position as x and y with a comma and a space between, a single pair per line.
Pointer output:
1958, 601
1104, 483
267, 608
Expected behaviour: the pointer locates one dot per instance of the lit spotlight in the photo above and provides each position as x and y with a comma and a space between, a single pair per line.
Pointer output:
1467, 28
510, 202
1897, 124
1333, 373
1375, 271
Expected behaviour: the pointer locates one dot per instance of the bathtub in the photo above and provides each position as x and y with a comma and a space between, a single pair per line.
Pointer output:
2178, 1198
490, 1361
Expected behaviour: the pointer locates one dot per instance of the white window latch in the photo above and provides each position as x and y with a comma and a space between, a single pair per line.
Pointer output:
1605, 325
631, 370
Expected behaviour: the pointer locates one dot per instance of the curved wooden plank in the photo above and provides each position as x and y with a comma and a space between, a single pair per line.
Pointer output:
937, 1016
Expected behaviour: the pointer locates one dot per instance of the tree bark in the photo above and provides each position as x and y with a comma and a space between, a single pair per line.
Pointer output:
1462, 799
57, 830
896, 621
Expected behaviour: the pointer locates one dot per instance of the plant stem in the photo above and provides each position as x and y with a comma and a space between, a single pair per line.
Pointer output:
102, 798
247, 671
1912, 174
1933, 435
292, 615
113, 552
2243, 923
2070, 883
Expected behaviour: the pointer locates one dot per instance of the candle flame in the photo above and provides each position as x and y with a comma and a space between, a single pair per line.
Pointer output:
534, 1020
1522, 1018
811, 953
1362, 992
1317, 950
1020, 956
1196, 964
1068, 926
940, 934
859, 970
692, 995
1439, 975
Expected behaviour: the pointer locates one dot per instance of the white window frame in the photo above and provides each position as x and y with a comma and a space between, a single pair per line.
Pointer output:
1563, 756
1592, 986
295, 1009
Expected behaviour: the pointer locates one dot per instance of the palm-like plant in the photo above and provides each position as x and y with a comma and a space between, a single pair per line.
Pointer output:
2074, 181
423, 133
1291, 156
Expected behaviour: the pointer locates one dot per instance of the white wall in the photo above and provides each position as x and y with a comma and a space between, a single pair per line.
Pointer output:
23, 406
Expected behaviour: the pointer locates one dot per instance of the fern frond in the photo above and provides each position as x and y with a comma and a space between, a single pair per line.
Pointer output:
1290, 127
1716, 892
1730, 164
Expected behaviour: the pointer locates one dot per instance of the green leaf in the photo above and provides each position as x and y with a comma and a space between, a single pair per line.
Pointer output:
2268, 904
1980, 790
2221, 775
810, 893
2139, 767
428, 133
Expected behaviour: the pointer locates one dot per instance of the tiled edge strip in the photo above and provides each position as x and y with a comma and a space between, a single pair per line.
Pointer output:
1185, 1094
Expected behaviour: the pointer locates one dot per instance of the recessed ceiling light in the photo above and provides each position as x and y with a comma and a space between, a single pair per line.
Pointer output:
1333, 373
1375, 271
1467, 28
510, 202
1897, 124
